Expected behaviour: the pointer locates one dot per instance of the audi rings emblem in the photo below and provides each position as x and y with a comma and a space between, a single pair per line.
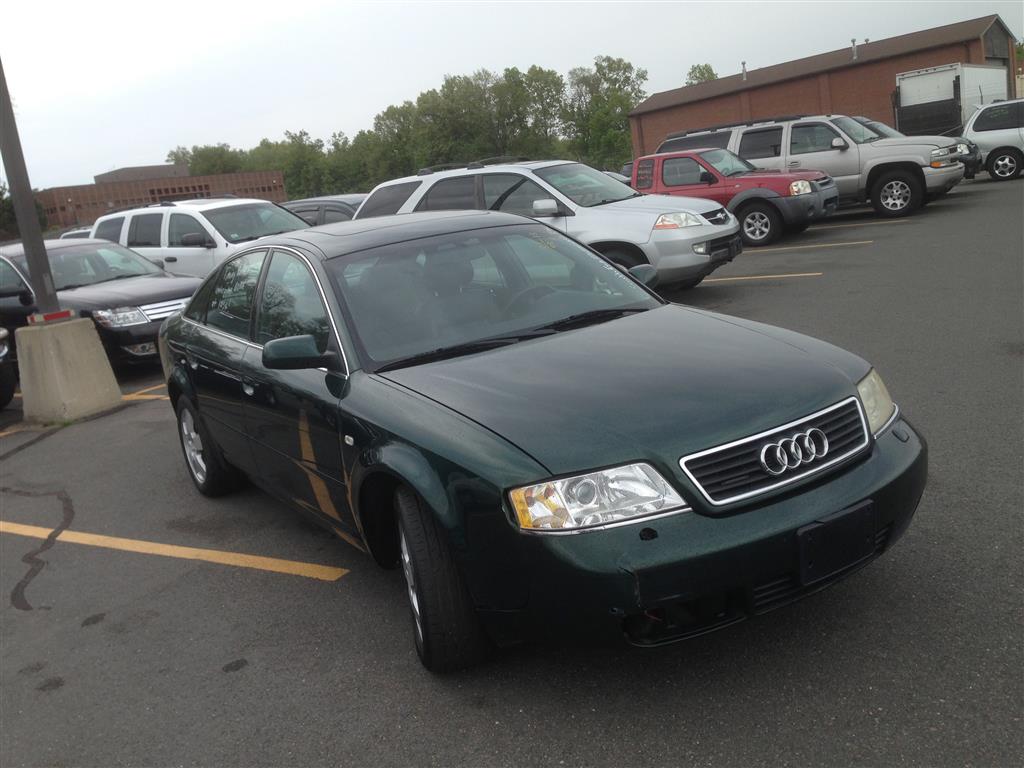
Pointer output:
801, 448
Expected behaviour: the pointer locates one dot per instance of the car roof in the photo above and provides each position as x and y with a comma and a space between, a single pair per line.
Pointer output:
435, 175
333, 240
352, 197
197, 204
17, 248
694, 151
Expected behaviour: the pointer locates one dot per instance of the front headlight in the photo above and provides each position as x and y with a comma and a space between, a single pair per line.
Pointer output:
120, 317
624, 493
677, 220
800, 188
940, 152
876, 400
963, 149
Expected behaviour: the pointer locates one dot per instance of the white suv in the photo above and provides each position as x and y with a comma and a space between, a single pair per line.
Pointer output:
684, 238
191, 237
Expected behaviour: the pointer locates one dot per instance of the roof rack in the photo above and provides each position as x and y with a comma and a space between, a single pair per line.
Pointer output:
496, 160
161, 204
723, 126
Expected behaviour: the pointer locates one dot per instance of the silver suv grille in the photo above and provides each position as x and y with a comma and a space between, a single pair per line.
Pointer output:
162, 309
717, 216
738, 470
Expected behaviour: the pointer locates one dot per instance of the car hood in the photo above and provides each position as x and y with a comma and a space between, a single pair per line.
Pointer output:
652, 386
130, 292
915, 141
775, 174
658, 204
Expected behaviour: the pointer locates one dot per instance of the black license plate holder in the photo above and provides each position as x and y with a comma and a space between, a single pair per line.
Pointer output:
836, 542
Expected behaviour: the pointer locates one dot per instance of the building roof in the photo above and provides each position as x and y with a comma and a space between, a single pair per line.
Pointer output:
143, 173
812, 65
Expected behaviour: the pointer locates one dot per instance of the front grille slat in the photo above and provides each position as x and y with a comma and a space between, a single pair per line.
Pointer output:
162, 309
734, 471
717, 216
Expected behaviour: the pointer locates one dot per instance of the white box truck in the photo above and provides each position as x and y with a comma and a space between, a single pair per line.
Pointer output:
939, 100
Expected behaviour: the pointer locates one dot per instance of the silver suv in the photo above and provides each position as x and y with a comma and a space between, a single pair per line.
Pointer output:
684, 238
896, 174
998, 130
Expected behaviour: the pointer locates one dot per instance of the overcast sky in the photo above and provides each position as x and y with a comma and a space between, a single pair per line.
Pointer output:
103, 84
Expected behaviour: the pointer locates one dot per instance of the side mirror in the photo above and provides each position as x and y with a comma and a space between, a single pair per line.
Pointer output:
24, 295
707, 177
646, 274
838, 143
546, 207
294, 353
196, 240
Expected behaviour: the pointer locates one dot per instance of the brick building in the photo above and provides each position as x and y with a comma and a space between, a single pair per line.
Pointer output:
82, 204
854, 81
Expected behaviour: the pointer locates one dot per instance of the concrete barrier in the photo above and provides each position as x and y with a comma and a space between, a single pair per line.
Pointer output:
64, 371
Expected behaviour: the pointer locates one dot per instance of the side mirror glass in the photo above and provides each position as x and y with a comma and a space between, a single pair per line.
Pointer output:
838, 143
294, 353
546, 207
646, 274
196, 240
707, 177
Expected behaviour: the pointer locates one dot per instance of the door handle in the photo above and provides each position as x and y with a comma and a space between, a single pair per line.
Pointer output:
170, 259
794, 163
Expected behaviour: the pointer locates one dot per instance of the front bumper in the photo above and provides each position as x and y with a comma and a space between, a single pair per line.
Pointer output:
939, 180
972, 163
673, 256
132, 344
799, 209
698, 573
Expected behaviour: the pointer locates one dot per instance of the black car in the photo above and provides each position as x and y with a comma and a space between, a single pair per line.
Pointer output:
329, 209
538, 440
126, 295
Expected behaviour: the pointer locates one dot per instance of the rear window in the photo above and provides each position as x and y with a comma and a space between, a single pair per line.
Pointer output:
456, 194
144, 230
387, 200
764, 143
110, 229
645, 174
718, 139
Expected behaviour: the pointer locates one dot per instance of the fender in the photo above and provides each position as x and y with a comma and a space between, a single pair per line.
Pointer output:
871, 169
755, 193
178, 383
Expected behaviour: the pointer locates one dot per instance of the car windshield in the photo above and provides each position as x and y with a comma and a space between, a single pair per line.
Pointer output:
884, 130
82, 265
456, 293
859, 132
585, 185
727, 163
238, 223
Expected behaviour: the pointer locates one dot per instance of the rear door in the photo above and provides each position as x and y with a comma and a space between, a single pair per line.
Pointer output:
762, 147
187, 259
810, 148
144, 234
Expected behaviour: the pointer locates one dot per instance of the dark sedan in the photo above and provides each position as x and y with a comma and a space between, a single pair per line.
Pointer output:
126, 295
540, 442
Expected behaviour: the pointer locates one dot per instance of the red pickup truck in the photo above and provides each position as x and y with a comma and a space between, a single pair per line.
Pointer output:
767, 203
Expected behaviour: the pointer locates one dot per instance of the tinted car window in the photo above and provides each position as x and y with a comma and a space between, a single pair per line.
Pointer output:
110, 229
718, 139
309, 215
333, 215
88, 264
196, 309
388, 200
291, 303
645, 174
766, 143
182, 224
231, 303
680, 170
450, 194
249, 221
512, 193
9, 278
811, 138
144, 230
997, 118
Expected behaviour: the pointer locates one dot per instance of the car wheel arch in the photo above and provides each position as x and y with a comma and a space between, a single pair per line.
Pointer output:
607, 247
881, 168
178, 384
746, 196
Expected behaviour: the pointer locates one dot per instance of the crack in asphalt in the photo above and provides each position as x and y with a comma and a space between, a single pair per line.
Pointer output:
31, 559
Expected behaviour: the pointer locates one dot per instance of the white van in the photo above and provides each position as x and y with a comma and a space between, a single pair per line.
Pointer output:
192, 236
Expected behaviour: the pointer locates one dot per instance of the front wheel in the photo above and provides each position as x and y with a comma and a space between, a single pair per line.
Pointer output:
760, 224
1004, 164
896, 193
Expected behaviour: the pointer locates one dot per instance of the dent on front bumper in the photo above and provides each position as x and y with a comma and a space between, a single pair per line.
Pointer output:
690, 573
671, 251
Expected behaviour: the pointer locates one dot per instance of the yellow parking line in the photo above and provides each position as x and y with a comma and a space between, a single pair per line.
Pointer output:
859, 224
146, 389
805, 247
761, 277
145, 397
21, 428
292, 567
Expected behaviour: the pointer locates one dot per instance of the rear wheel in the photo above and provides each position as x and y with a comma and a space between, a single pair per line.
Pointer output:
760, 224
446, 628
211, 474
1004, 164
896, 193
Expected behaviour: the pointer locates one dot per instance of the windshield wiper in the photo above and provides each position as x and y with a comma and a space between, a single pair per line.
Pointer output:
590, 318
616, 200
457, 350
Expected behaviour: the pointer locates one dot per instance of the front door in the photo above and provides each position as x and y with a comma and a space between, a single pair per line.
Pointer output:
810, 148
513, 193
187, 259
681, 176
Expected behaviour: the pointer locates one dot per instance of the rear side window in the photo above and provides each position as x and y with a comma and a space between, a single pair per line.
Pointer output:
200, 300
144, 230
182, 224
387, 200
231, 303
110, 229
645, 174
456, 194
309, 215
814, 137
9, 278
334, 215
766, 143
677, 171
997, 118
717, 140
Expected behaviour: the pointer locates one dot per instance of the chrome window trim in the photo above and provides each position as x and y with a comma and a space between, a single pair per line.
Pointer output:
891, 420
219, 332
790, 480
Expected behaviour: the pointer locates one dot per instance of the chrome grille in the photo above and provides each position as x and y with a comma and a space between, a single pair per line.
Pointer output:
162, 309
733, 472
717, 216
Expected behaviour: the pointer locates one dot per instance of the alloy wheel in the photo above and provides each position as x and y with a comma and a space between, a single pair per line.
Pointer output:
410, 584
1005, 166
193, 445
757, 225
896, 195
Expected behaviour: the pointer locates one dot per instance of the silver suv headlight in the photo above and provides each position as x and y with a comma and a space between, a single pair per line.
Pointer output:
119, 317
677, 220
800, 187
619, 494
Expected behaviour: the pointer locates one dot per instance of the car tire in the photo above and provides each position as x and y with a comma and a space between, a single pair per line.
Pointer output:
623, 258
896, 193
210, 473
8, 383
446, 629
1004, 164
760, 223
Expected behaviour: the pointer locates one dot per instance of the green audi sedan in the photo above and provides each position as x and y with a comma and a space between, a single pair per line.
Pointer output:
542, 444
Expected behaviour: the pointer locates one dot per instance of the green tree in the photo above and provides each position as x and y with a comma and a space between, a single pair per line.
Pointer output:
208, 159
8, 221
700, 73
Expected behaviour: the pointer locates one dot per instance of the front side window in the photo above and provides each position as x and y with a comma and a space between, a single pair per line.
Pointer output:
250, 221
291, 303
857, 131
512, 193
726, 163
645, 174
676, 171
309, 215
763, 143
231, 301
814, 137
387, 200
584, 185
10, 280
182, 224
332, 215
456, 194
144, 230
440, 292
997, 118
110, 229
80, 265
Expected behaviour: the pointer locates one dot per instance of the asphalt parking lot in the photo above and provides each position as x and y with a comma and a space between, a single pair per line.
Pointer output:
164, 628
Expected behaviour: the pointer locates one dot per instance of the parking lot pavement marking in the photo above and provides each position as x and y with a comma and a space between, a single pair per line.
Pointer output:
143, 394
819, 245
761, 277
258, 562
823, 227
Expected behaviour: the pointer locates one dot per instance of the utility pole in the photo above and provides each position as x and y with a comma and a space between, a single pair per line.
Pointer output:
24, 205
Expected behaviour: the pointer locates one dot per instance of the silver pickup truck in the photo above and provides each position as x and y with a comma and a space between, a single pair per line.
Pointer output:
897, 175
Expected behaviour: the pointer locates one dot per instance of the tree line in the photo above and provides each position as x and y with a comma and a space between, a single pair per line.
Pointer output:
537, 113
